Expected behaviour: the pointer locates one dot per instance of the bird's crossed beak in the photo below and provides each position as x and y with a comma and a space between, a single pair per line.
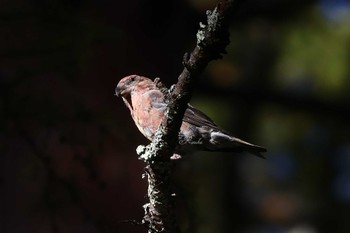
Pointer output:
119, 91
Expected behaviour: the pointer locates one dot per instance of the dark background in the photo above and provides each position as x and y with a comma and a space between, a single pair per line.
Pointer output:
67, 144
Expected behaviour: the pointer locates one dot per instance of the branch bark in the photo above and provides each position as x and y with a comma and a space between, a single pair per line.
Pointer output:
212, 40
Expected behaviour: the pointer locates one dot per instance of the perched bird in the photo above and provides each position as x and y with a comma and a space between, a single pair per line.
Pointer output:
198, 132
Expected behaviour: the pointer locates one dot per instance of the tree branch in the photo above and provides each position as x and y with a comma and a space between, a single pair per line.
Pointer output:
211, 42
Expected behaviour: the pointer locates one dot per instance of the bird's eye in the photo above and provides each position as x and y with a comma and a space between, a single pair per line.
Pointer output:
131, 80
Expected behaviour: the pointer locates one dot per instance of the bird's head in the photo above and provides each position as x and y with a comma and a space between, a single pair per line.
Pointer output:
127, 84
132, 83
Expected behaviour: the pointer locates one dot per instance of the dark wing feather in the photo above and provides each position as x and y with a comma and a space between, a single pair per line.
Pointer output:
198, 118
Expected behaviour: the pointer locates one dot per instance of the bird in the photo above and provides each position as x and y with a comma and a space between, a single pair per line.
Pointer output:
198, 132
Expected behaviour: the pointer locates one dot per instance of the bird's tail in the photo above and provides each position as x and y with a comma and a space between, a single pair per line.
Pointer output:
220, 141
250, 148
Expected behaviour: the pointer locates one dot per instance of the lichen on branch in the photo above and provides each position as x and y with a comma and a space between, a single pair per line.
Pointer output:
212, 39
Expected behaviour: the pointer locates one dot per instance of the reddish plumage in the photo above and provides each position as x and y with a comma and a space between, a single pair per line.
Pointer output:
198, 132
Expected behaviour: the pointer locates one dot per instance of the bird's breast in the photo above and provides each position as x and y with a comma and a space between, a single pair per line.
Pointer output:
147, 114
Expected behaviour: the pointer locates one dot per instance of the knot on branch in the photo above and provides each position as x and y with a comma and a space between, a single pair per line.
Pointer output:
186, 62
159, 84
166, 92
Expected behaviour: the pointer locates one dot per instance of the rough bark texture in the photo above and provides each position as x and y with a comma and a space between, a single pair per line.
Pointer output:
212, 39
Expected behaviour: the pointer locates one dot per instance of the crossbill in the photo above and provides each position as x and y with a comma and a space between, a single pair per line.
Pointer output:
198, 132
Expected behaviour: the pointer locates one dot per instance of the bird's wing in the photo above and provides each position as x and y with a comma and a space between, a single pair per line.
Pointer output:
198, 118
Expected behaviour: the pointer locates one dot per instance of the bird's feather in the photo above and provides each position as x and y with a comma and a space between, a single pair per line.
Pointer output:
198, 118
